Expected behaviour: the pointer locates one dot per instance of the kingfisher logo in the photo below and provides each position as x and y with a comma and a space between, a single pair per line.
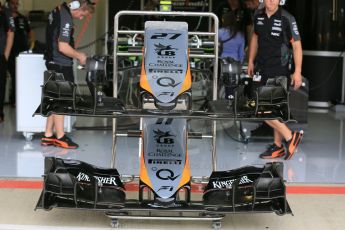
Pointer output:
163, 137
165, 51
101, 180
228, 183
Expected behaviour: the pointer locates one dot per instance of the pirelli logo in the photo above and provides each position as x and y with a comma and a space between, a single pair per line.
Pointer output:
164, 162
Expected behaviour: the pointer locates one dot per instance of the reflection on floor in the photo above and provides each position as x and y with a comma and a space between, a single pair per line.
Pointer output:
320, 157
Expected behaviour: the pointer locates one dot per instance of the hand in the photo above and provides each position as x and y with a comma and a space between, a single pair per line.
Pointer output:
250, 70
296, 80
82, 58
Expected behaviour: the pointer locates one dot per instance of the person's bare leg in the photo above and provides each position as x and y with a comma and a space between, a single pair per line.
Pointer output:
292, 140
277, 138
276, 150
59, 125
281, 128
49, 126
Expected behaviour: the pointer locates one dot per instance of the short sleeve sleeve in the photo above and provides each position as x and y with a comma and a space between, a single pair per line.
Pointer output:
293, 29
66, 26
10, 20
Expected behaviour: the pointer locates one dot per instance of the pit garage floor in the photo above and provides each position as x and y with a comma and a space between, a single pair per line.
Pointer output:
315, 176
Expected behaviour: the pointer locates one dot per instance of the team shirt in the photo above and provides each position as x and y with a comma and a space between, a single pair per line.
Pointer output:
275, 35
6, 25
21, 35
60, 28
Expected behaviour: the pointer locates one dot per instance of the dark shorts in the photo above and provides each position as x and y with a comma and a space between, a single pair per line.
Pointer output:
67, 71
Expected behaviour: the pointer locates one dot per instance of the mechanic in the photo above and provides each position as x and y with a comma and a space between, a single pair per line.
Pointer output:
23, 41
274, 29
232, 42
7, 29
254, 6
59, 58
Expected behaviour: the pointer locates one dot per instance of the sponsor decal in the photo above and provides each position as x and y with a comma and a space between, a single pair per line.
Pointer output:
164, 64
170, 36
101, 180
165, 51
295, 28
163, 137
65, 30
164, 162
21, 23
172, 71
11, 22
164, 153
50, 18
170, 94
228, 183
276, 28
259, 23
170, 188
275, 34
167, 122
166, 174
167, 82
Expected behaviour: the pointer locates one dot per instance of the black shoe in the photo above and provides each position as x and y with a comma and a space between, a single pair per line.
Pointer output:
292, 144
273, 151
48, 141
65, 142
262, 130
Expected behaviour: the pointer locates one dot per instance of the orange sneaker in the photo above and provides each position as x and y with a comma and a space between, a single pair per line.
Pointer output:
273, 151
65, 142
48, 141
292, 144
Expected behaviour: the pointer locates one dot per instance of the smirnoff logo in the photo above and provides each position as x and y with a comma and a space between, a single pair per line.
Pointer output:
101, 180
228, 183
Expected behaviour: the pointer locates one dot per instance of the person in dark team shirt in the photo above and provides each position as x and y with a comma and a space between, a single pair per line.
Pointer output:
7, 29
254, 6
274, 31
23, 37
59, 58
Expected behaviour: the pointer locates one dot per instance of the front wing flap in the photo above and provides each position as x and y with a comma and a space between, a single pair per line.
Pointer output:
250, 188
